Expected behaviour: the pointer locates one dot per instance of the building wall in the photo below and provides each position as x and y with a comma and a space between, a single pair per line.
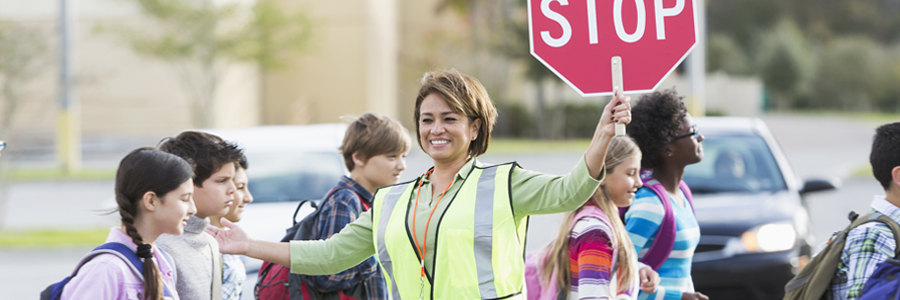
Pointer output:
120, 93
360, 61
327, 81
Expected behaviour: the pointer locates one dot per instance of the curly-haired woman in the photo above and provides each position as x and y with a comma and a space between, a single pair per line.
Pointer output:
669, 141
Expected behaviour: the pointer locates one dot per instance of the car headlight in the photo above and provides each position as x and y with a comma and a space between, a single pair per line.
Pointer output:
770, 238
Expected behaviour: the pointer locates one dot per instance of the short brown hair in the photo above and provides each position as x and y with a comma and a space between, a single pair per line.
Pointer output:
465, 95
206, 152
371, 135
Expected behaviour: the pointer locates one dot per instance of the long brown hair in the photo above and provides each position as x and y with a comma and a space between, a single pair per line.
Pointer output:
558, 259
141, 171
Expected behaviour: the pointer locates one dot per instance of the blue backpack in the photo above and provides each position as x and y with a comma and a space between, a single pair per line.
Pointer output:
54, 291
884, 283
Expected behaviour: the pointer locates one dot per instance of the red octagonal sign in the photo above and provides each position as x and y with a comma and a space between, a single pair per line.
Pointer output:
577, 40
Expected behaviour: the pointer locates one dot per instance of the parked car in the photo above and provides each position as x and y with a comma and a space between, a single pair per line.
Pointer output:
754, 226
287, 164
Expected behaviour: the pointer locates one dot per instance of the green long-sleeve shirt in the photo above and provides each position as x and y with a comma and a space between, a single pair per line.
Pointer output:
532, 193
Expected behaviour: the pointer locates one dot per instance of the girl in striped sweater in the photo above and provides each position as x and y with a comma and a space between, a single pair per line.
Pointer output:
593, 248
669, 141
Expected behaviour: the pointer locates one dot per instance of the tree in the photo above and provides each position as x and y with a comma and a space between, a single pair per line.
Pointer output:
200, 38
22, 57
786, 64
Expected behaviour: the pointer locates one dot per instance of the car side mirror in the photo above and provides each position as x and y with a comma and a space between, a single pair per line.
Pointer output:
818, 185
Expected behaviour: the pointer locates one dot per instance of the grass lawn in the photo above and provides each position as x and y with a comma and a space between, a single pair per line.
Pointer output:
862, 171
52, 238
872, 117
504, 146
57, 174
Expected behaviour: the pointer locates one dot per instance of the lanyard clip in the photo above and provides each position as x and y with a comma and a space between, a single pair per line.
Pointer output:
422, 281
422, 288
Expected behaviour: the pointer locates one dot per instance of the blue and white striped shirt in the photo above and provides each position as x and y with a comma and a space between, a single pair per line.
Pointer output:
643, 220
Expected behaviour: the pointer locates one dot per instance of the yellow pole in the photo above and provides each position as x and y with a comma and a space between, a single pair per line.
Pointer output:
68, 130
68, 140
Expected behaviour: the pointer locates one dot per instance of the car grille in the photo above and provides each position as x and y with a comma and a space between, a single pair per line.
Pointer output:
713, 247
706, 248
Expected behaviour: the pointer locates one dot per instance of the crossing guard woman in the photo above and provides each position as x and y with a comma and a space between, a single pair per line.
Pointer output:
456, 232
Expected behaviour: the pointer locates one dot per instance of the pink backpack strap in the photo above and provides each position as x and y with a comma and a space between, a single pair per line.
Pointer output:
664, 241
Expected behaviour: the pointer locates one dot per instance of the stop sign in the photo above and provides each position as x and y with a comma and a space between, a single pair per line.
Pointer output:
577, 39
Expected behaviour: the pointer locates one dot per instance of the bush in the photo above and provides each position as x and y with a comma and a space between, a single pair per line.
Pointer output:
514, 121
859, 75
576, 120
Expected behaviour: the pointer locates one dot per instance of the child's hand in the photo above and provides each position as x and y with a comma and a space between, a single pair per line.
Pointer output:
649, 280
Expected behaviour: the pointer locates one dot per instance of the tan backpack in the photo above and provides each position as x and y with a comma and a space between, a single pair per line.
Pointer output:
814, 281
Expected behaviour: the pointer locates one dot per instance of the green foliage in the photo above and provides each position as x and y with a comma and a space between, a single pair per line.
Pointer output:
23, 54
515, 121
276, 35
201, 37
812, 54
201, 29
826, 19
517, 47
724, 54
577, 120
786, 63
744, 21
857, 74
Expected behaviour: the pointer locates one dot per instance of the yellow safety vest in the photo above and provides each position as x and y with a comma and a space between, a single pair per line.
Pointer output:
479, 247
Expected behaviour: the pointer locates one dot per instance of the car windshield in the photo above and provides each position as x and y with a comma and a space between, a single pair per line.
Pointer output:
734, 163
291, 176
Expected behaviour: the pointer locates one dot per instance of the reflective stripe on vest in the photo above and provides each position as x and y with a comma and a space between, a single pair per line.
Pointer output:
479, 246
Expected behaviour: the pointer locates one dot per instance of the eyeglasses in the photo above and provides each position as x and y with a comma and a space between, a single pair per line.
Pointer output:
693, 132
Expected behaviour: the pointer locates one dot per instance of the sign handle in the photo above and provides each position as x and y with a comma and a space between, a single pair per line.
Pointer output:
617, 86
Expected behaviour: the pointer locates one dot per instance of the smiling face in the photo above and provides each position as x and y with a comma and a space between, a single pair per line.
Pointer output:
242, 196
445, 135
216, 193
622, 182
174, 209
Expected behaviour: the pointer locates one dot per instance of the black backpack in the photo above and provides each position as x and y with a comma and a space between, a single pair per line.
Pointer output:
276, 281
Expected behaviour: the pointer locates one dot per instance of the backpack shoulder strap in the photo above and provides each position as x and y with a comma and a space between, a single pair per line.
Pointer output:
127, 255
895, 229
814, 280
664, 241
121, 251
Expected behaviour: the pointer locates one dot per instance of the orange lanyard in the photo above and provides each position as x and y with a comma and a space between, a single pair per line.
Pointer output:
415, 209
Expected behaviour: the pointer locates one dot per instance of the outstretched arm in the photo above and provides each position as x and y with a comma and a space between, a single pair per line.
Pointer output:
235, 241
349, 247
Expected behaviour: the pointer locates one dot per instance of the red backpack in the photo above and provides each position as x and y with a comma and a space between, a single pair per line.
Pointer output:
275, 282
